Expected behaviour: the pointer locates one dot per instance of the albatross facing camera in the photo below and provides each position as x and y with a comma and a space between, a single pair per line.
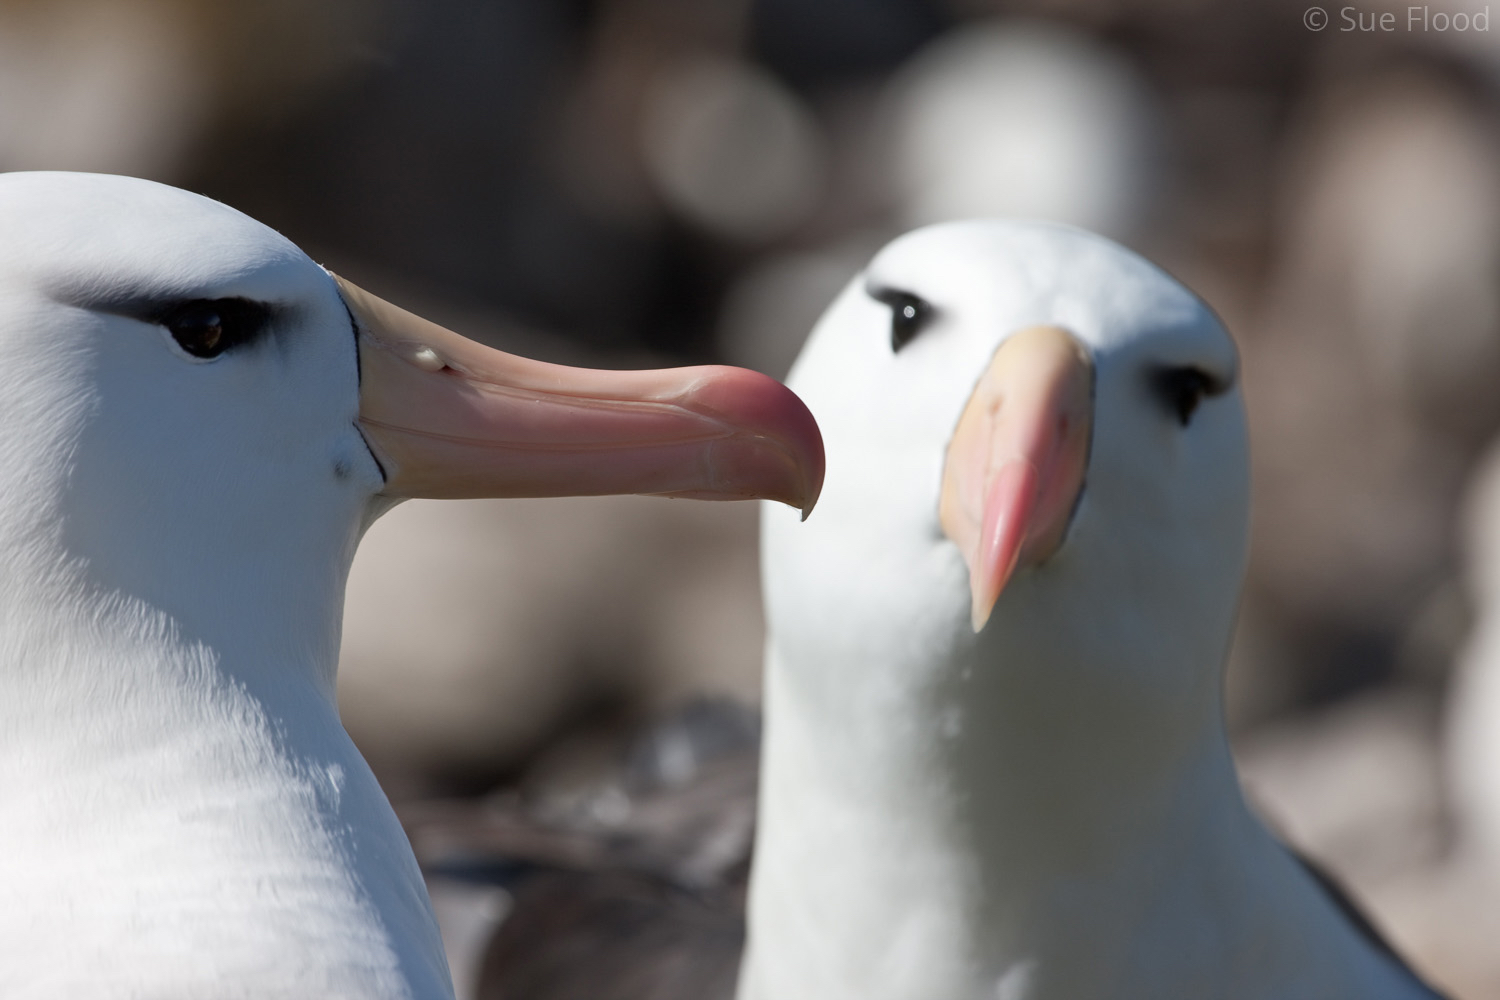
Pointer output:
995, 761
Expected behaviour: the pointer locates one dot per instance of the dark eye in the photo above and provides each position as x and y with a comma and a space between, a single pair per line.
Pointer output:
909, 313
206, 328
1181, 389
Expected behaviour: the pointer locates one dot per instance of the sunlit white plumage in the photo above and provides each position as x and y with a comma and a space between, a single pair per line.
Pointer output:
163, 833
1047, 808
183, 815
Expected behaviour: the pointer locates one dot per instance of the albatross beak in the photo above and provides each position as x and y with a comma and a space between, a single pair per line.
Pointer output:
1016, 463
449, 418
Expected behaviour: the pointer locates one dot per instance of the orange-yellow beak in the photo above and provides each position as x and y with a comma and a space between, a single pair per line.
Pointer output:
449, 418
1015, 466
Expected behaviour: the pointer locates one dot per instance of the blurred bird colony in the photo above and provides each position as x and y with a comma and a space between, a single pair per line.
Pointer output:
625, 183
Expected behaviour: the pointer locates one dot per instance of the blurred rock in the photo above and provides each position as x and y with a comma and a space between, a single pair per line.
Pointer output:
1358, 789
1418, 204
1369, 378
614, 867
614, 937
467, 914
1446, 921
673, 803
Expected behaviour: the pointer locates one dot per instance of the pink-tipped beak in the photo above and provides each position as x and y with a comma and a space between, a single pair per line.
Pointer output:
449, 418
1016, 463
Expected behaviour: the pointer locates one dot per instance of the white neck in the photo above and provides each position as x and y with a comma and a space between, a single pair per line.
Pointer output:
962, 844
184, 814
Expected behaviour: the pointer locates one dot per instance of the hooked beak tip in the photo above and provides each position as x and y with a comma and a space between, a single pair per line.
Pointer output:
812, 493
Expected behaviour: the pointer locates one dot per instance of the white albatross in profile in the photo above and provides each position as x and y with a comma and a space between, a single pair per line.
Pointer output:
196, 421
995, 763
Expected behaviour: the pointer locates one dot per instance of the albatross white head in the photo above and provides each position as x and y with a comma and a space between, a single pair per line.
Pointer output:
195, 423
995, 762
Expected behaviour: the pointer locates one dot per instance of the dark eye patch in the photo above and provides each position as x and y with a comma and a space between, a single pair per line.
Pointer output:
909, 313
1181, 388
206, 328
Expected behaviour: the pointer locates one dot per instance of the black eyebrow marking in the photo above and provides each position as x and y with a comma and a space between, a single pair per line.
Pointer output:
156, 308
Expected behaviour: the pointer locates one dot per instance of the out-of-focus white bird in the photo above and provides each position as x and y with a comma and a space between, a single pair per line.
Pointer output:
1025, 119
196, 421
995, 762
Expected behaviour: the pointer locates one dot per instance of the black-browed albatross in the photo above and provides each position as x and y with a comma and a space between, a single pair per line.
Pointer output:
995, 763
196, 421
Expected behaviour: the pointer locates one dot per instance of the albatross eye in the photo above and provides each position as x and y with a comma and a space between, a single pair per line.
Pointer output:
1182, 388
206, 328
909, 313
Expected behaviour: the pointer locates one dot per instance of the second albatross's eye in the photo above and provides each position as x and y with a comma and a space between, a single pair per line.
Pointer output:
1182, 388
909, 313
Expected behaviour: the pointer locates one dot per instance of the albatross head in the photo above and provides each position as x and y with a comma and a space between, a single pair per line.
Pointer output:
1035, 436
195, 414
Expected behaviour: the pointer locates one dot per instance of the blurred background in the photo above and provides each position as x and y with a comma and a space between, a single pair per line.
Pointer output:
560, 695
